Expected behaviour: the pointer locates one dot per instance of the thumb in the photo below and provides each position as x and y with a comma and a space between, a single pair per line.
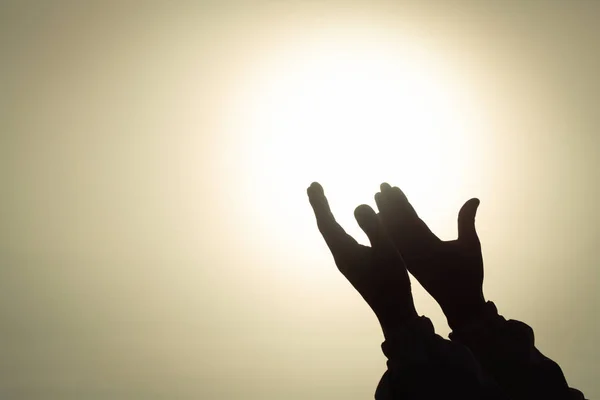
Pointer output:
466, 222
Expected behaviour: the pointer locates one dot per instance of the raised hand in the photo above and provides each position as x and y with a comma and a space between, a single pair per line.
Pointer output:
377, 272
450, 271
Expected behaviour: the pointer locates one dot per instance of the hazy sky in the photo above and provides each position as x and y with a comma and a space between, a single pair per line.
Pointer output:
155, 237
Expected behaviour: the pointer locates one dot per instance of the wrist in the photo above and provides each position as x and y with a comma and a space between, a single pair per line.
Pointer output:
465, 313
478, 330
397, 320
411, 341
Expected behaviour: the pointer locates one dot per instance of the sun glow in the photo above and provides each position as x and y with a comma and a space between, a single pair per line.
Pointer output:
350, 113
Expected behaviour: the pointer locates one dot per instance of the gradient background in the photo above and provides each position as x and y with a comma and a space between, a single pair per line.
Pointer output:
156, 243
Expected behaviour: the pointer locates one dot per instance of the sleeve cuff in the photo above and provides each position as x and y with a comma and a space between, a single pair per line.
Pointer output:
489, 320
411, 341
491, 335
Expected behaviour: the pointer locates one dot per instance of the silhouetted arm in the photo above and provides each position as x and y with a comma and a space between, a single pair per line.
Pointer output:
452, 272
506, 350
422, 365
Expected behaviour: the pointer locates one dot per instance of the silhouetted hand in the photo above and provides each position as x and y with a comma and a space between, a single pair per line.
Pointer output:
450, 271
378, 272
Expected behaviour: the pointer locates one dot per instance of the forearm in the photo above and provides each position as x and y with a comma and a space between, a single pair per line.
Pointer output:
422, 365
506, 350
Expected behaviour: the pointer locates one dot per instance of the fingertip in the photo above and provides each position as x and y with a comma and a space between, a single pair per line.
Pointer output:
473, 203
476, 204
364, 211
397, 193
466, 221
378, 200
385, 186
315, 188
366, 217
469, 209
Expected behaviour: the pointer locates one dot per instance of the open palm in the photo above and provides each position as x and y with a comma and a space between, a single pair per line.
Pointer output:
450, 271
378, 272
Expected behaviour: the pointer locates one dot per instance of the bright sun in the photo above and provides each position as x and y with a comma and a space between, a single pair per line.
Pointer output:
350, 113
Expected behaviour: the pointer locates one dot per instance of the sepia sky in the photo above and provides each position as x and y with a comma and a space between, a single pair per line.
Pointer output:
156, 241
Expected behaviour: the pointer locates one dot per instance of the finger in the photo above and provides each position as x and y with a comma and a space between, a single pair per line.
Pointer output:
466, 222
371, 224
382, 205
399, 199
387, 217
399, 214
385, 187
394, 202
410, 214
338, 241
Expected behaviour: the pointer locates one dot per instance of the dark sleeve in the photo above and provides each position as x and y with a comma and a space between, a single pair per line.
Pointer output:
422, 365
506, 351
